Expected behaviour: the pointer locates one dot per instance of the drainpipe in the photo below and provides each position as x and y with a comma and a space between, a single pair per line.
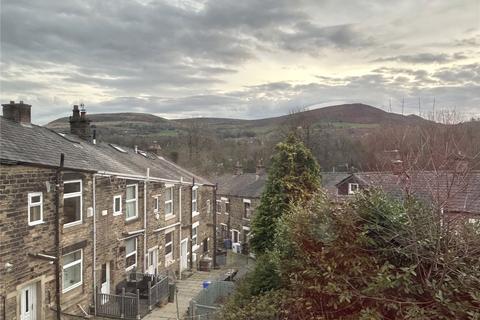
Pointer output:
191, 223
94, 276
214, 213
180, 231
58, 179
145, 253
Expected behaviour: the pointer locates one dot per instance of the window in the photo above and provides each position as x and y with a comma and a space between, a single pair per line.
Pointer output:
205, 245
195, 235
156, 204
72, 202
246, 210
235, 236
35, 208
169, 246
208, 206
131, 202
219, 207
352, 188
227, 207
194, 201
117, 205
130, 254
169, 201
72, 270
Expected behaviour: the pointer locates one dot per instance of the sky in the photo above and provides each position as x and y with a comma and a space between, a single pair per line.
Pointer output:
239, 59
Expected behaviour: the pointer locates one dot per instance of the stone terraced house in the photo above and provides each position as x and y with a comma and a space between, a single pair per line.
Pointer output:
78, 216
238, 195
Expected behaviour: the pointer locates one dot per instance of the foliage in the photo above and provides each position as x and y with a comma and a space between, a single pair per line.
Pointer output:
372, 258
294, 176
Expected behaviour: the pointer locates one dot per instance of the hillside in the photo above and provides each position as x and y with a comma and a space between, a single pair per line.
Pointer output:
335, 135
351, 116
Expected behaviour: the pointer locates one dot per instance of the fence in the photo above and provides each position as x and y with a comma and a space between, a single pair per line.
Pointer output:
204, 305
158, 293
151, 290
118, 306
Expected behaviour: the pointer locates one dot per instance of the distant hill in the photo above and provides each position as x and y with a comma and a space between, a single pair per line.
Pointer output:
347, 116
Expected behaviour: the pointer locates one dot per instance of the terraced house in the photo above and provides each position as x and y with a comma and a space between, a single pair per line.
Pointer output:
238, 196
83, 222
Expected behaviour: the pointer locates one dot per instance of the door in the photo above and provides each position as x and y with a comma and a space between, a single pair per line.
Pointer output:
28, 303
183, 254
152, 261
105, 279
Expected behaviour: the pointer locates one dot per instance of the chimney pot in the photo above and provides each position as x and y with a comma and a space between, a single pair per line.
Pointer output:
80, 125
18, 112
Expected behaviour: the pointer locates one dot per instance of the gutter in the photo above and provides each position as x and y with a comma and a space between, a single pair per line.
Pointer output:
145, 253
94, 269
167, 227
191, 223
58, 179
180, 229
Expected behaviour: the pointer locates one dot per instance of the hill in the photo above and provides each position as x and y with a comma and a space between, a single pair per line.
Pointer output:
215, 144
351, 116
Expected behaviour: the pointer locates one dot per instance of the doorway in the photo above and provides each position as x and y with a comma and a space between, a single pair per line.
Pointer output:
152, 261
183, 254
28, 302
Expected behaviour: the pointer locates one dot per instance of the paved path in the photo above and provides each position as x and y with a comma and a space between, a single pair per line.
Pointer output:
190, 287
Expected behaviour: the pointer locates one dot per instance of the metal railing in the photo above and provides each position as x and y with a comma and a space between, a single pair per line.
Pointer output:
118, 306
158, 292
209, 299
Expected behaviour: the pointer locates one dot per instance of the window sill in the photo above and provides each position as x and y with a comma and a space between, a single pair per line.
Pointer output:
131, 267
117, 214
195, 247
132, 219
72, 287
72, 224
194, 214
36, 223
169, 216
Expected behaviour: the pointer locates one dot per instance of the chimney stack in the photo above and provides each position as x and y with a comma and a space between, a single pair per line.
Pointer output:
18, 112
259, 169
79, 123
154, 148
238, 169
397, 167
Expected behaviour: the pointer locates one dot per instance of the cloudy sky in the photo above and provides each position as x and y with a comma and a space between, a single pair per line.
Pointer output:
244, 59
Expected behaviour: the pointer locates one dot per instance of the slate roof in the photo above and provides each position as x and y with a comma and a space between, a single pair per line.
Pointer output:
247, 185
330, 180
32, 144
453, 192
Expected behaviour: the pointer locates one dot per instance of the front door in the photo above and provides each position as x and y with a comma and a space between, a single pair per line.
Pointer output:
152, 261
183, 254
105, 285
28, 303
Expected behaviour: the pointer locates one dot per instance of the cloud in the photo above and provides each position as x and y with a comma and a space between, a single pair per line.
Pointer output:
425, 58
246, 58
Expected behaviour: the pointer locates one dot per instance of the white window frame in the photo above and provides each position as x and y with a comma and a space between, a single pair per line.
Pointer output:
195, 245
169, 256
131, 254
208, 206
168, 215
71, 264
195, 191
238, 235
127, 201
156, 204
350, 190
117, 213
36, 204
73, 195
249, 208
217, 203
